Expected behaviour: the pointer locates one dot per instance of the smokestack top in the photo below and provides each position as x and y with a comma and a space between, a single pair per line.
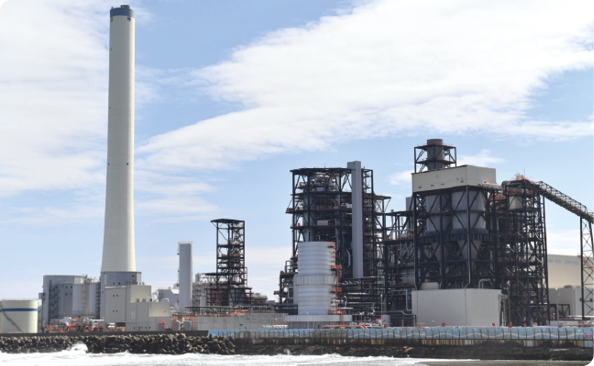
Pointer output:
123, 10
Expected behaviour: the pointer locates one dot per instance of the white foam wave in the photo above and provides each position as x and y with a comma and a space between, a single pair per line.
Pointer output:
77, 356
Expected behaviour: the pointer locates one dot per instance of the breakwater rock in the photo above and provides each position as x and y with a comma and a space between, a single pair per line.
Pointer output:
484, 351
146, 344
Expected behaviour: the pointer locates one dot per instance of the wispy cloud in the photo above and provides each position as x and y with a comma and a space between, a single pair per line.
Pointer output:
385, 68
53, 94
484, 158
401, 178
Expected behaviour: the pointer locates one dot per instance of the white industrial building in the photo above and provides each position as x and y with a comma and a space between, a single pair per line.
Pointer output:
565, 291
134, 306
69, 296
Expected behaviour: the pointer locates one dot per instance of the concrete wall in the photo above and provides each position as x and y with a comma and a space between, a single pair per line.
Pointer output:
461, 307
115, 304
251, 321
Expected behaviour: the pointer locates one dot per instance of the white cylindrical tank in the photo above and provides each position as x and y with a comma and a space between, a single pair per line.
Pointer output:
118, 242
315, 280
185, 274
19, 316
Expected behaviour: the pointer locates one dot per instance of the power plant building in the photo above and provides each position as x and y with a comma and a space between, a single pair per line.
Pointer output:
465, 250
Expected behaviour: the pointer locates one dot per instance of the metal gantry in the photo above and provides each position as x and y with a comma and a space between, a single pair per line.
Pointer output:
586, 242
587, 270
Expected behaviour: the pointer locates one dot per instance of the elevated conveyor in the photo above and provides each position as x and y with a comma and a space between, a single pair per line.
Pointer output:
586, 248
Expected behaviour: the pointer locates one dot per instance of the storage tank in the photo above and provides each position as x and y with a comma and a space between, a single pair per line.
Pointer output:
315, 280
19, 316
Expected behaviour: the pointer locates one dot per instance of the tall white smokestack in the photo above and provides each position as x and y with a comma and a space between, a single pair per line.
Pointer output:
118, 239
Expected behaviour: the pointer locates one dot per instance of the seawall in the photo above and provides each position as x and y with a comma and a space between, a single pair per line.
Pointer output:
304, 343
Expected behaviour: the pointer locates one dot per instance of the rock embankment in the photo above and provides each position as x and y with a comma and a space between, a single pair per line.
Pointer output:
172, 344
485, 351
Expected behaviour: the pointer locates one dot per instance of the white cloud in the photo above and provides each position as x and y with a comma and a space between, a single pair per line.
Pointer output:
401, 178
64, 214
172, 198
386, 68
52, 95
484, 158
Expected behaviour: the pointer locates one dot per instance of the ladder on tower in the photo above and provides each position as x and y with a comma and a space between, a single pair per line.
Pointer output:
587, 245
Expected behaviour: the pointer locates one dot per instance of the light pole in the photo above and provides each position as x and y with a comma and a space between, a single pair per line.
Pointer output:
557, 307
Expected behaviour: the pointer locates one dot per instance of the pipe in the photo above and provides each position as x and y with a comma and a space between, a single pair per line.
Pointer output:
406, 300
482, 281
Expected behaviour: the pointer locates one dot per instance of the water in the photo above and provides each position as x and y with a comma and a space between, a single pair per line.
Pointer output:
68, 358
78, 356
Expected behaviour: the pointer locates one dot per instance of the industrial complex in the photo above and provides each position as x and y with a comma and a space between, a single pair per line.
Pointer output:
464, 250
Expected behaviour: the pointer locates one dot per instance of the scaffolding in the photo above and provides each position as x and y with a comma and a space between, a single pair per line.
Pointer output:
228, 285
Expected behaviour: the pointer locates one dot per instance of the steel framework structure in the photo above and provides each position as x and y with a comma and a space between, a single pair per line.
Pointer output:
455, 236
524, 253
398, 266
484, 236
587, 263
229, 282
586, 243
321, 209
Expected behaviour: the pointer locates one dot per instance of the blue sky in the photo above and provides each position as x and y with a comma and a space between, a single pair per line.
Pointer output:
232, 95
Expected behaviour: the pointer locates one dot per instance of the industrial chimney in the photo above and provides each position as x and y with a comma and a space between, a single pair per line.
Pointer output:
118, 267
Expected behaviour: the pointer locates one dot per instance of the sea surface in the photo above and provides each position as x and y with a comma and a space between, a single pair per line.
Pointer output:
78, 356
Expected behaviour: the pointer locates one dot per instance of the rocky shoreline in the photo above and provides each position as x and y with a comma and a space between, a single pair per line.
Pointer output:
172, 344
180, 343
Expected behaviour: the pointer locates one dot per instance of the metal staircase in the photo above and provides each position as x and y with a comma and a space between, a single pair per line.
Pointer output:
587, 244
